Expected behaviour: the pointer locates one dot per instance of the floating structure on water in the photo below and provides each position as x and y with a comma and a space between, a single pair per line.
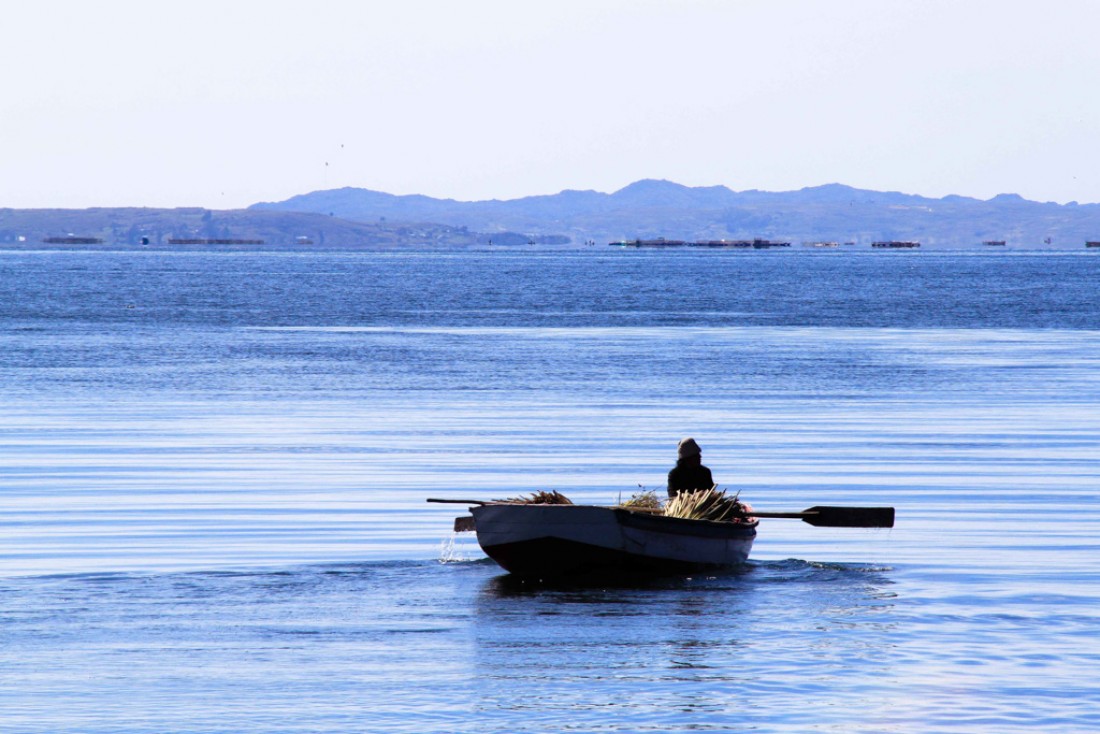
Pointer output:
546, 541
821, 244
1092, 244
73, 240
658, 242
661, 242
197, 241
722, 243
895, 244
994, 243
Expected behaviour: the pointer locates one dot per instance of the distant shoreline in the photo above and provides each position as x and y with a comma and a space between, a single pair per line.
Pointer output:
604, 250
645, 211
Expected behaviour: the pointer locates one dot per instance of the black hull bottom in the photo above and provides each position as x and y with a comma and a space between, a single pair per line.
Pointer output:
549, 558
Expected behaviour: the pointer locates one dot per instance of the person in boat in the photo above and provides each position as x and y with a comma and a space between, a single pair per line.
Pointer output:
689, 474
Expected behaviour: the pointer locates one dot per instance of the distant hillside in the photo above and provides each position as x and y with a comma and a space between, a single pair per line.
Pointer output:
132, 226
650, 208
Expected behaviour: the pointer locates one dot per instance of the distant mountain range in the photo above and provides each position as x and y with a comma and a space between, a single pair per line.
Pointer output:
648, 209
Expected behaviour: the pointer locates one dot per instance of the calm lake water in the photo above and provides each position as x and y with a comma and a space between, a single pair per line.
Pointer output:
213, 467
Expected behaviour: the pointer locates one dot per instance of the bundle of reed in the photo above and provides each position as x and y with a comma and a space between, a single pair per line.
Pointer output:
705, 504
645, 500
542, 497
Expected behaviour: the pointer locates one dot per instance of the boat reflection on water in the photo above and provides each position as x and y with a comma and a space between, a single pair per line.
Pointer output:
507, 585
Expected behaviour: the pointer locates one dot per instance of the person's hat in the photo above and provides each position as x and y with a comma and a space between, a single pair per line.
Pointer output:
688, 447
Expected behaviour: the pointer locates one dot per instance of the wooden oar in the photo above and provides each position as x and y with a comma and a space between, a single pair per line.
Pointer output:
839, 517
820, 516
460, 502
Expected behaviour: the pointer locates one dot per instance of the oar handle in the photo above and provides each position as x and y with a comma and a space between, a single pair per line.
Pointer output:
457, 502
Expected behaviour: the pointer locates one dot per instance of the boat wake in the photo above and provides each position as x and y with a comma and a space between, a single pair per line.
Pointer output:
453, 549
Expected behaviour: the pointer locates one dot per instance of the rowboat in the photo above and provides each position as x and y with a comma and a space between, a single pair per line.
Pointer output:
570, 540
553, 540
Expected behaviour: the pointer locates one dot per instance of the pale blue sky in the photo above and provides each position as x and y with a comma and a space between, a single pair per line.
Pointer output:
222, 104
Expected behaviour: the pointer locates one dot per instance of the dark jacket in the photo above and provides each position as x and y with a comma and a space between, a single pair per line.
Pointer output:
688, 478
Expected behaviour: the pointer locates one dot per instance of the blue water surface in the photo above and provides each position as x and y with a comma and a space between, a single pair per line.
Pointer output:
213, 467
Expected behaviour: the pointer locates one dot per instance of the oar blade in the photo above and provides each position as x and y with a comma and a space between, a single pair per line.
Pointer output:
850, 517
